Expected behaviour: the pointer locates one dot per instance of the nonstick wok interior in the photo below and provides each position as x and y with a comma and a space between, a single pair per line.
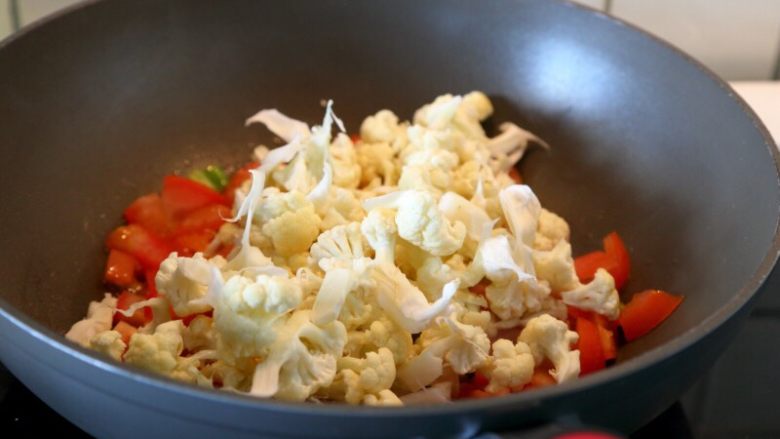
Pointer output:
97, 106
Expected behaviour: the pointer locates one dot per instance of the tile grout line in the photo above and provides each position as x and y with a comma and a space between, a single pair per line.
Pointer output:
13, 12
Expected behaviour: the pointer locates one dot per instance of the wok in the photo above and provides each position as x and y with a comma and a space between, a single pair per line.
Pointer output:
99, 103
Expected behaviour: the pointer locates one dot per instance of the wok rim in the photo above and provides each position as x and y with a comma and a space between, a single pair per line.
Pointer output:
526, 399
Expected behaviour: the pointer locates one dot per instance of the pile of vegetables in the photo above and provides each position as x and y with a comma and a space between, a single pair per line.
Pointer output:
404, 265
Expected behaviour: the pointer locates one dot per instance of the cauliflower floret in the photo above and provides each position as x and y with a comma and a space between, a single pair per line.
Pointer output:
439, 113
183, 281
109, 343
346, 169
200, 334
511, 365
432, 275
343, 242
382, 333
99, 318
548, 337
599, 295
340, 207
435, 164
385, 398
377, 161
420, 221
402, 301
381, 127
248, 314
550, 230
508, 148
301, 360
367, 376
380, 231
465, 348
289, 220
556, 266
158, 352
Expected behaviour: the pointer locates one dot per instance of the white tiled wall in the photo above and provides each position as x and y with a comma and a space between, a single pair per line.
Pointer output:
739, 39
736, 38
5, 19
31, 10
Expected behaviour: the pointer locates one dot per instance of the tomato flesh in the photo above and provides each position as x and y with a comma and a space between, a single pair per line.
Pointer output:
589, 344
149, 212
645, 311
181, 195
140, 317
133, 239
120, 269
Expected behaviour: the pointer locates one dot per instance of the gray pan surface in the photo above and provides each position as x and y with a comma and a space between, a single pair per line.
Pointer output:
97, 105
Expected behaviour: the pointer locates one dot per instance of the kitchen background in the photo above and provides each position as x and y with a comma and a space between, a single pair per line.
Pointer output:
740, 41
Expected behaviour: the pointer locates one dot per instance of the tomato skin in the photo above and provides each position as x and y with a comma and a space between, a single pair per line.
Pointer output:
616, 249
514, 174
181, 195
120, 269
140, 317
589, 344
207, 217
645, 311
149, 212
480, 288
237, 179
126, 330
133, 239
606, 336
615, 259
190, 243
540, 378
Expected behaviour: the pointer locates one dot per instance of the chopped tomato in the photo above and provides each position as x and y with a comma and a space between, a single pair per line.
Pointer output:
135, 240
207, 217
151, 286
190, 243
514, 174
469, 384
121, 269
574, 313
541, 378
645, 311
355, 138
237, 179
616, 249
607, 337
480, 287
589, 344
140, 317
614, 259
181, 195
149, 212
126, 330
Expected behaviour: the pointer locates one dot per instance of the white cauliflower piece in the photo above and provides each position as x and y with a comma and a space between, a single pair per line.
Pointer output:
346, 168
458, 209
99, 318
556, 266
248, 313
384, 398
109, 343
158, 352
598, 295
420, 221
382, 333
521, 210
439, 113
508, 148
511, 365
548, 337
367, 376
281, 125
465, 348
340, 207
200, 334
380, 231
301, 360
405, 303
289, 220
551, 230
377, 162
381, 127
183, 281
343, 242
